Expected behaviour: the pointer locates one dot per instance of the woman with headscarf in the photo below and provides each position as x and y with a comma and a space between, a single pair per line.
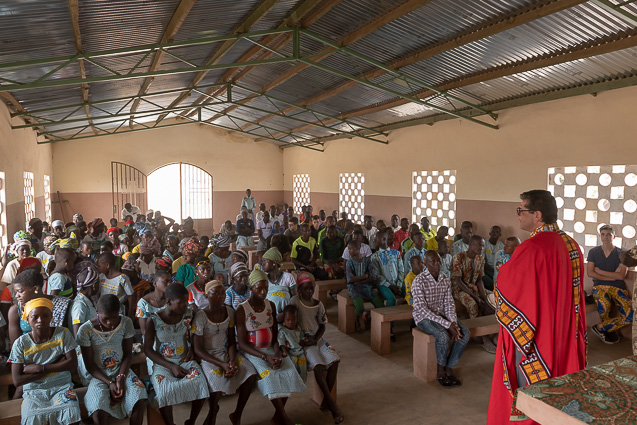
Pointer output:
96, 235
28, 285
113, 235
221, 257
186, 272
282, 285
41, 362
237, 291
257, 336
214, 343
47, 256
172, 247
21, 249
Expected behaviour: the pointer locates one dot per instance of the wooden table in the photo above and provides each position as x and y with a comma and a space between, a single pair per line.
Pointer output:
603, 394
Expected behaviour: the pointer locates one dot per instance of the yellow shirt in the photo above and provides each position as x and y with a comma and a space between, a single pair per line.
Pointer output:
136, 249
408, 281
178, 262
432, 244
428, 235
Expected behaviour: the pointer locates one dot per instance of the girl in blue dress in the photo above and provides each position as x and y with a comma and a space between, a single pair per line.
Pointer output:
41, 362
176, 377
107, 345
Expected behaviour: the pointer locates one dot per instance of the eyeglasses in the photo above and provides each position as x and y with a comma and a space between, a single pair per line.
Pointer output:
519, 211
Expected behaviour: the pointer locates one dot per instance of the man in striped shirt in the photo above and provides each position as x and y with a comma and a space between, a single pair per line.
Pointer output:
435, 314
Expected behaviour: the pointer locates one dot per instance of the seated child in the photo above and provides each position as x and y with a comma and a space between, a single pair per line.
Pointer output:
435, 313
290, 337
176, 377
130, 268
238, 291
86, 251
107, 345
214, 343
417, 265
389, 270
361, 282
282, 285
221, 257
417, 249
154, 301
59, 282
196, 290
115, 282
41, 363
445, 259
321, 356
146, 264
305, 253
47, 257
331, 248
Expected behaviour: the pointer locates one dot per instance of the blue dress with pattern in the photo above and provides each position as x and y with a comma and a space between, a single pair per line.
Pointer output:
171, 341
108, 353
51, 399
82, 311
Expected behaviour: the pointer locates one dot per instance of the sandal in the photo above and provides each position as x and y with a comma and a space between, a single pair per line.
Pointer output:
444, 381
491, 349
455, 382
367, 320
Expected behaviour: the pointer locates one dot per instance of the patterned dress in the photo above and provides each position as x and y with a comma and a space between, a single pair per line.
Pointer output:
108, 354
82, 311
215, 336
171, 341
279, 291
143, 311
291, 338
120, 286
279, 383
49, 400
310, 318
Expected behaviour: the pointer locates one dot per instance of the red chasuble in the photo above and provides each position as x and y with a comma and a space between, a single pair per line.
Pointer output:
542, 316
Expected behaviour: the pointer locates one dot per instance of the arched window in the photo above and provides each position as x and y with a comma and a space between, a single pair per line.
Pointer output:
181, 190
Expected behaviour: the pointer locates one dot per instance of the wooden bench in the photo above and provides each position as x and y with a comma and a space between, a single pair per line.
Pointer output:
381, 325
324, 286
425, 361
346, 313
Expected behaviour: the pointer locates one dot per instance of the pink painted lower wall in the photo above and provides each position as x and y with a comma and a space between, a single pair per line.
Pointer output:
225, 206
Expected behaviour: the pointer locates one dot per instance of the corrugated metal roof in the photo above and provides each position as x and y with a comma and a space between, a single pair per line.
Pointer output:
45, 30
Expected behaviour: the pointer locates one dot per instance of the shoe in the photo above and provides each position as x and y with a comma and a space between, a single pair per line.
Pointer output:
611, 337
444, 381
491, 349
589, 299
455, 382
392, 338
600, 334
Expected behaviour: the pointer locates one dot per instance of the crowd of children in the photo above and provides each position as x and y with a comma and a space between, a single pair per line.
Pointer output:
77, 295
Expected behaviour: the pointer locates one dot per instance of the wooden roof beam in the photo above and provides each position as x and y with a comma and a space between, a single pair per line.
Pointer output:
477, 32
354, 36
217, 54
599, 46
178, 18
294, 19
75, 21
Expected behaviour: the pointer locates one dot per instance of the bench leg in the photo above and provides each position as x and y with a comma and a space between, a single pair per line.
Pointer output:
425, 362
346, 317
381, 332
317, 394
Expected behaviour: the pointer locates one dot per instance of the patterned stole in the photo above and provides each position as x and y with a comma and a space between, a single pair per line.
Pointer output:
522, 330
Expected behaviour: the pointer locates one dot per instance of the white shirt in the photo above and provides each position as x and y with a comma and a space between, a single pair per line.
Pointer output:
365, 252
266, 228
134, 212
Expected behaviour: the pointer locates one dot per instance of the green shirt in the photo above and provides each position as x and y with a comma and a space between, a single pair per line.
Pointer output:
332, 251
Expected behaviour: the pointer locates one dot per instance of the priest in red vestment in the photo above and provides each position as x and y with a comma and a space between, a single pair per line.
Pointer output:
540, 307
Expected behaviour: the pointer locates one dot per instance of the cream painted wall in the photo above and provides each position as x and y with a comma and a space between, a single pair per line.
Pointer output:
234, 161
19, 152
495, 165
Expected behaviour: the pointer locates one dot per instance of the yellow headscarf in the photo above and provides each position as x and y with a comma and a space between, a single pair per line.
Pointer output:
35, 303
212, 284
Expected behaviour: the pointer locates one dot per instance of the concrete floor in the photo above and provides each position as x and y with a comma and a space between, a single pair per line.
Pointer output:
375, 389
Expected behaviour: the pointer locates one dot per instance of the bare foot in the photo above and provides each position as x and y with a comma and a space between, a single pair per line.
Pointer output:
234, 419
338, 418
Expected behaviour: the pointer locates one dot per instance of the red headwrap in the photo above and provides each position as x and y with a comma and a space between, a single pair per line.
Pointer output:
191, 247
304, 277
112, 229
164, 262
29, 263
